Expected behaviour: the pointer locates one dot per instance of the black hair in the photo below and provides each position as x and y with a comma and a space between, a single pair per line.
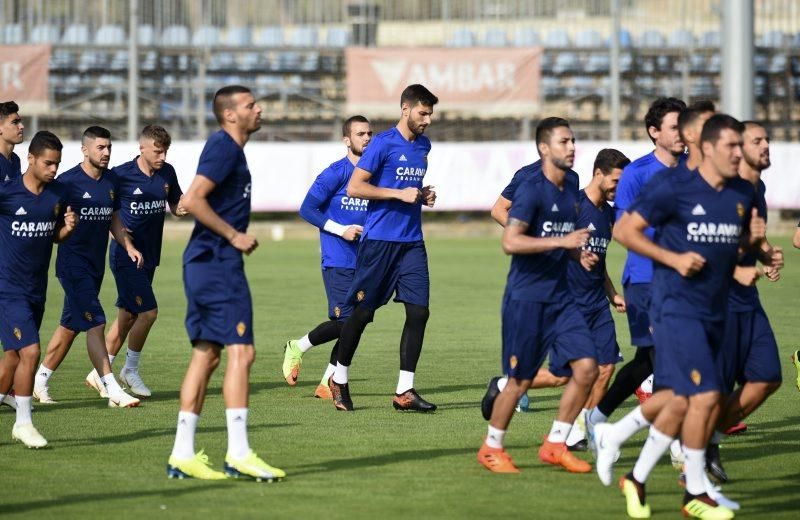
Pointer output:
417, 93
44, 140
609, 159
96, 132
689, 115
7, 108
222, 99
349, 123
716, 124
658, 109
546, 126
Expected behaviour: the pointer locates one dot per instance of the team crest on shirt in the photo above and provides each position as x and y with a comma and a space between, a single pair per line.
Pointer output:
696, 377
740, 209
513, 362
241, 328
111, 194
337, 311
17, 333
56, 209
138, 300
166, 188
360, 295
87, 315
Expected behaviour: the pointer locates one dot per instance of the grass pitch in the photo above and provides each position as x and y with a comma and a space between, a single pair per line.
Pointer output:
374, 462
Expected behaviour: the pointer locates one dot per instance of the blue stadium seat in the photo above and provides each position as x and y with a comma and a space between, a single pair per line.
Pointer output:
110, 35
714, 64
711, 39
495, 38
598, 63
703, 87
664, 64
305, 36
461, 38
337, 37
582, 86
44, 34
62, 59
777, 64
566, 62
12, 34
551, 87
546, 62
680, 38
796, 41
149, 62
625, 62
110, 80
145, 36
268, 37
557, 39
697, 63
773, 39
310, 62
761, 63
249, 61
625, 38
760, 86
289, 61
652, 40
237, 36
589, 39
205, 36
119, 61
92, 60
175, 36
526, 37
646, 85
77, 34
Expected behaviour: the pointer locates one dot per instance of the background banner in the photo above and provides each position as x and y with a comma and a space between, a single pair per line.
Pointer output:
24, 73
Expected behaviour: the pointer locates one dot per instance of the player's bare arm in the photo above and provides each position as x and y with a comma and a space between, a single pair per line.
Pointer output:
179, 210
629, 232
500, 210
67, 226
516, 242
360, 187
614, 298
196, 202
796, 238
123, 238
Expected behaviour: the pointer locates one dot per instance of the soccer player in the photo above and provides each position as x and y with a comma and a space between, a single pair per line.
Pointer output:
146, 185
661, 123
539, 313
33, 214
690, 125
91, 189
701, 219
340, 220
11, 134
391, 257
749, 353
220, 308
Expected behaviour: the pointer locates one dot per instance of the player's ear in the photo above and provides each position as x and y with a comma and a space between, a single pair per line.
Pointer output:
346, 141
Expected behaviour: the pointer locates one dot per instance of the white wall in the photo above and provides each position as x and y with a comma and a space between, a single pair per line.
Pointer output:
467, 176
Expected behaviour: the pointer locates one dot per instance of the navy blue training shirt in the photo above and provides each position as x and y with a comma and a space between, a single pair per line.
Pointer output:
742, 298
10, 168
588, 287
526, 172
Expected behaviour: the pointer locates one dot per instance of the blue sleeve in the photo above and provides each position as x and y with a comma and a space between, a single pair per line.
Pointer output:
115, 200
508, 192
656, 202
526, 203
627, 191
373, 157
175, 192
325, 186
217, 161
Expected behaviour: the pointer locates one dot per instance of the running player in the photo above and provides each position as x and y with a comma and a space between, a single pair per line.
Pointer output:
661, 124
701, 218
340, 220
392, 256
11, 134
33, 214
539, 314
220, 308
146, 185
749, 353
80, 265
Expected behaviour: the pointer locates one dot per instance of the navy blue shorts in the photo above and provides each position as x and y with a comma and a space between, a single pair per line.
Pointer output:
134, 287
604, 336
531, 330
686, 354
749, 351
82, 309
337, 282
637, 301
219, 305
386, 268
20, 320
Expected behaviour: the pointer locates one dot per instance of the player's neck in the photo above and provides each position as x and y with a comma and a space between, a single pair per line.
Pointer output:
749, 173
405, 131
144, 167
353, 158
240, 137
710, 174
666, 157
553, 173
31, 183
6, 149
594, 194
695, 158
90, 170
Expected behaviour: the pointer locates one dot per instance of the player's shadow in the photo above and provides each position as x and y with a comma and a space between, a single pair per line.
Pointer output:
384, 459
781, 496
166, 492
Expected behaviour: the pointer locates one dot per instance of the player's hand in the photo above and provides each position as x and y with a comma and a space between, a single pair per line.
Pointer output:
689, 264
352, 233
758, 227
244, 243
773, 274
575, 240
429, 196
746, 276
775, 258
70, 219
136, 257
180, 211
410, 195
618, 302
589, 260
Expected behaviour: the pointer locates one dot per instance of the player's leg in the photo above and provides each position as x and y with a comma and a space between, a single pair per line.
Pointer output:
96, 347
137, 337
57, 350
323, 391
118, 332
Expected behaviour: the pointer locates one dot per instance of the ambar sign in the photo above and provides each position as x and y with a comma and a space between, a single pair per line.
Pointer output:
484, 81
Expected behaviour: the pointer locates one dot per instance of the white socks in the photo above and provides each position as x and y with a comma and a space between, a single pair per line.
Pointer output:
238, 447
559, 432
328, 373
494, 439
42, 376
304, 344
655, 446
111, 384
626, 427
576, 434
694, 467
131, 360
184, 436
340, 374
405, 382
23, 410
111, 359
596, 416
502, 382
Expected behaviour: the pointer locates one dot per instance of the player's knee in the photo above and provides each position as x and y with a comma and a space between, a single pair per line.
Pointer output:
149, 316
417, 314
678, 405
584, 371
30, 354
604, 373
363, 315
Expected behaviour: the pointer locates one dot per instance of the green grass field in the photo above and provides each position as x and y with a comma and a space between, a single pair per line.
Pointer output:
374, 462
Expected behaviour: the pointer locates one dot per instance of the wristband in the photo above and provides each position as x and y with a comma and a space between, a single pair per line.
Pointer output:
334, 227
